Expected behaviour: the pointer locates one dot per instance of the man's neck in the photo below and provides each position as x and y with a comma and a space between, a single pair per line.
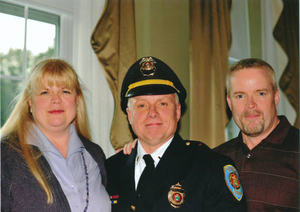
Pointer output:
252, 142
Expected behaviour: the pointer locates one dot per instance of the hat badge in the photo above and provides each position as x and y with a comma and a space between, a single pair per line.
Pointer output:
147, 66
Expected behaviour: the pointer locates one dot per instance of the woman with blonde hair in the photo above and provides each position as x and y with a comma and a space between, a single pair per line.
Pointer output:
48, 162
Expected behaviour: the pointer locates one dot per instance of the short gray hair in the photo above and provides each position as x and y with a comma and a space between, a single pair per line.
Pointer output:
251, 63
176, 100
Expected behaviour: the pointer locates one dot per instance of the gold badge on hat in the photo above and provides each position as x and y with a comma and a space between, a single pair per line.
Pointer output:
147, 66
176, 195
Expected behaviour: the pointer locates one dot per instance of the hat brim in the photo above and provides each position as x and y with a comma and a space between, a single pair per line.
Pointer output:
151, 90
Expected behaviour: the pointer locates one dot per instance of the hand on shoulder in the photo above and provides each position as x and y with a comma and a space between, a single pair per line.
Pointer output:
127, 149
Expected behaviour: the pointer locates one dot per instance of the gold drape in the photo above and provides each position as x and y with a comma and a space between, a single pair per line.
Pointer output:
113, 41
286, 32
210, 32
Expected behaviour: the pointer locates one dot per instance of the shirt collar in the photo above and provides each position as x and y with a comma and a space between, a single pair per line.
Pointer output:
156, 155
279, 133
45, 145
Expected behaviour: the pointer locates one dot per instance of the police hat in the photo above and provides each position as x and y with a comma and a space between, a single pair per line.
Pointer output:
150, 76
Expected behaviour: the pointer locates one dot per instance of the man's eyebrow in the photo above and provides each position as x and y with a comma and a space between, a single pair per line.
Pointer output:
262, 89
257, 90
239, 92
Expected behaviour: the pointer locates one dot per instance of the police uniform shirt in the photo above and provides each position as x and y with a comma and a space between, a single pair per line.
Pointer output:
140, 163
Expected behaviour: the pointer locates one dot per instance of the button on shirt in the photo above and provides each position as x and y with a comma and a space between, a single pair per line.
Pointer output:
70, 173
140, 163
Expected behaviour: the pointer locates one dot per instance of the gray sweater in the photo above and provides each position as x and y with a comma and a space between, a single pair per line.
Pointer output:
20, 191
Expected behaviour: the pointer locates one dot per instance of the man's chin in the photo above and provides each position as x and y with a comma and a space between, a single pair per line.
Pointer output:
251, 133
253, 130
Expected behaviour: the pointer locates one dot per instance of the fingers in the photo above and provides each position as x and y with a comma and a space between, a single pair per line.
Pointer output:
133, 143
129, 147
119, 150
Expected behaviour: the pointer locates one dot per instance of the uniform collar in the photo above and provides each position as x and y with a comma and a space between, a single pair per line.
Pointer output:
156, 155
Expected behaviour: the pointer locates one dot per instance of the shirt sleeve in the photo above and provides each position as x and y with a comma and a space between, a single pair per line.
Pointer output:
224, 191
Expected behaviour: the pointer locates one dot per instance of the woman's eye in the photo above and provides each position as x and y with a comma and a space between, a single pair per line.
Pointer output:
67, 92
44, 92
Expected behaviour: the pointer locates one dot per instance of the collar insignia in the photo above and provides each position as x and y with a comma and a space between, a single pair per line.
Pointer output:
176, 195
147, 66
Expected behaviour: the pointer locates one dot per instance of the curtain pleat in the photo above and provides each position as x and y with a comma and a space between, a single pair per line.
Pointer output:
286, 32
210, 32
114, 43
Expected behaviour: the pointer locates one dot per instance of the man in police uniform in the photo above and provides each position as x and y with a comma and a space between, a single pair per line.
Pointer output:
164, 172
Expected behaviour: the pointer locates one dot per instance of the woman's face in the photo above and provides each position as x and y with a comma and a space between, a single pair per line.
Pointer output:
54, 108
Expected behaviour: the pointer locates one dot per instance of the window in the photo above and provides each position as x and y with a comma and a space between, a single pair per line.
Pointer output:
27, 36
231, 130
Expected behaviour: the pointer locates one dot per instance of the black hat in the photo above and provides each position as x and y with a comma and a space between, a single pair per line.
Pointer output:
150, 76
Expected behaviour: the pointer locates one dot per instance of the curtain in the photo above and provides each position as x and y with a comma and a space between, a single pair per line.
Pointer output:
210, 32
286, 33
113, 41
273, 53
99, 104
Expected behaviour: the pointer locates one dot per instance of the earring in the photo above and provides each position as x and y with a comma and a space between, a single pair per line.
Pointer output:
30, 110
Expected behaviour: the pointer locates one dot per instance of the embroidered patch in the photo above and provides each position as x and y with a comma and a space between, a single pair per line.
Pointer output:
233, 182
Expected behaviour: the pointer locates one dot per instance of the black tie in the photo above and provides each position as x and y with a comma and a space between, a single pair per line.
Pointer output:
148, 170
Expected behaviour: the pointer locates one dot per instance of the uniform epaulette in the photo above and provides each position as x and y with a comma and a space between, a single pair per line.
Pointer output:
193, 143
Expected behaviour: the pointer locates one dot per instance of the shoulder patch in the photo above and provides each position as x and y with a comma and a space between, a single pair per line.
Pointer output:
233, 182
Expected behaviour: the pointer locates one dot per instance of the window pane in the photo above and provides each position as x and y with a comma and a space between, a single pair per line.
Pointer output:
40, 41
12, 44
42, 36
8, 91
43, 17
11, 9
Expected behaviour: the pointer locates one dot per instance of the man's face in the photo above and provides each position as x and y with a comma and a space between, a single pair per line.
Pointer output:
253, 101
153, 119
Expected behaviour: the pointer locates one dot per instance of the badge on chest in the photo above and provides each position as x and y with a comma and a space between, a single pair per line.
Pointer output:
176, 196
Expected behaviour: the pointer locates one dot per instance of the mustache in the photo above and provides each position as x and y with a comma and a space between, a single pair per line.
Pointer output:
251, 112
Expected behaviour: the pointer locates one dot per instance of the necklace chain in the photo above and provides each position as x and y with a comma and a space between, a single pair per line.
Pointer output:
87, 182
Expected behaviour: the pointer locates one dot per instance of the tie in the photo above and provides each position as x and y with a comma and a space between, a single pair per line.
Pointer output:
148, 170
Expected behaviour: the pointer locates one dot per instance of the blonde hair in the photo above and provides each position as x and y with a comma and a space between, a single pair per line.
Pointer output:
18, 127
